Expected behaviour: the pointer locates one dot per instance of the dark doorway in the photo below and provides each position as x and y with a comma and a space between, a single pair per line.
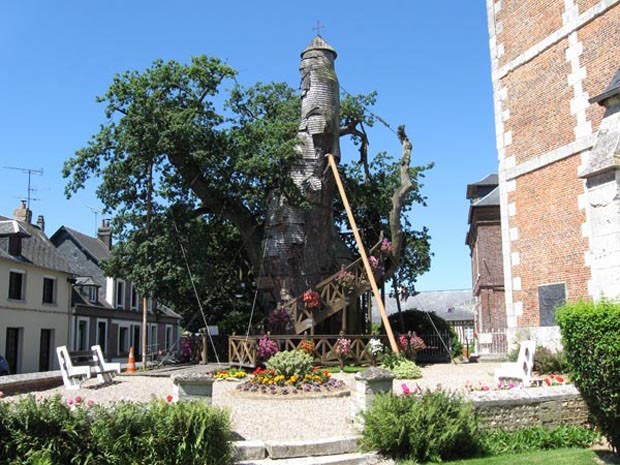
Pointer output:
12, 349
45, 350
137, 342
102, 329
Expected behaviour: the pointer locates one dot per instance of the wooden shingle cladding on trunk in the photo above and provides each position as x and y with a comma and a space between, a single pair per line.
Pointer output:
299, 244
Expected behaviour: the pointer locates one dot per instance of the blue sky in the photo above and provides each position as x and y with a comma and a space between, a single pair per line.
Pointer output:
428, 60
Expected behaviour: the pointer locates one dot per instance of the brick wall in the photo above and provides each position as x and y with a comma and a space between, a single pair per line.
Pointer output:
550, 243
600, 58
524, 23
539, 104
548, 57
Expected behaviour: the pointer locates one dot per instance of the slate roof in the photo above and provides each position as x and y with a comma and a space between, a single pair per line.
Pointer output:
37, 249
489, 200
91, 245
490, 180
449, 305
12, 227
612, 89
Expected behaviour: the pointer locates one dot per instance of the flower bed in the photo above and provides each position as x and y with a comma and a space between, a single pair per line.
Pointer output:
268, 381
233, 374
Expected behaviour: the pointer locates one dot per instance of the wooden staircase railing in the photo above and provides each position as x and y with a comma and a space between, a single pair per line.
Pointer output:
333, 298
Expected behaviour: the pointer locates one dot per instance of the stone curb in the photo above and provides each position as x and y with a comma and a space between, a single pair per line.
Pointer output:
341, 459
274, 450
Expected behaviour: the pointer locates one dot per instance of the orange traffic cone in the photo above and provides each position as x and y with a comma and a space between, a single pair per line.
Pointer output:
131, 363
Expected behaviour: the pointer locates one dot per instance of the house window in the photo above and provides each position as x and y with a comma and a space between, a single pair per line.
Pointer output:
120, 294
92, 294
134, 298
49, 287
152, 342
123, 340
16, 285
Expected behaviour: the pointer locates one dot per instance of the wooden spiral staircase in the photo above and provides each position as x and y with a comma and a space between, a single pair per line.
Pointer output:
333, 298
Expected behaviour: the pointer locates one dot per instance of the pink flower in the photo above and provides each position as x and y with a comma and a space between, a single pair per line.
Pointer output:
1, 394
78, 400
406, 389
69, 401
485, 388
90, 402
169, 398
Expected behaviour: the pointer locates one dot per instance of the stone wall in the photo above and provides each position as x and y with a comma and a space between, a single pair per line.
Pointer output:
519, 408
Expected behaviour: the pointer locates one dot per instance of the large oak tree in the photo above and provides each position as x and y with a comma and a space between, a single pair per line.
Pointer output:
210, 158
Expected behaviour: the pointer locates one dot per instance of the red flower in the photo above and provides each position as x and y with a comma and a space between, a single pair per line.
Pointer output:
559, 379
548, 381
78, 399
169, 398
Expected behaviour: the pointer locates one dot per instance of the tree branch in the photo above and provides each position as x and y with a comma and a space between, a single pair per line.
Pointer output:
215, 202
351, 129
398, 198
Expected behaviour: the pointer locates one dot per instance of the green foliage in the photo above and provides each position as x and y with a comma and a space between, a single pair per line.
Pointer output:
499, 442
291, 362
48, 432
547, 361
401, 366
406, 369
418, 321
591, 339
436, 426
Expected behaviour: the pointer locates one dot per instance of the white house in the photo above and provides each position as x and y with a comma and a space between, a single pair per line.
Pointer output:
35, 295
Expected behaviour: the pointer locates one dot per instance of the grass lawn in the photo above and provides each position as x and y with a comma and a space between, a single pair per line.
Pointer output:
556, 457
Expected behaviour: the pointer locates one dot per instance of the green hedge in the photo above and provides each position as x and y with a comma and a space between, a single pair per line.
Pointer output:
51, 432
591, 338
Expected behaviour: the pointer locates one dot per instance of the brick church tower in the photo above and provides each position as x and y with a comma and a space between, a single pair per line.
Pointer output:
558, 132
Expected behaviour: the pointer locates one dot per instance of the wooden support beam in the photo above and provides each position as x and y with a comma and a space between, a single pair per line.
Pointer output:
373, 284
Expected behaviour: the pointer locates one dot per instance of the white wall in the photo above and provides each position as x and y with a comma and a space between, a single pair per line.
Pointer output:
32, 314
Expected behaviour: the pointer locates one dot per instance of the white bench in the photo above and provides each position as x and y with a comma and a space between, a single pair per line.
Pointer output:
76, 367
105, 370
521, 371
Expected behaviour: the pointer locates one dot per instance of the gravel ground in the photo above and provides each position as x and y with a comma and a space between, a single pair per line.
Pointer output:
284, 418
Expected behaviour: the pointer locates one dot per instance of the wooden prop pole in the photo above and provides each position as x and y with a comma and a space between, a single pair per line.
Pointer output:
362, 250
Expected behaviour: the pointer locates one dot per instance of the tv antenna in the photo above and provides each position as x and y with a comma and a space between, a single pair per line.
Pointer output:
29, 172
96, 213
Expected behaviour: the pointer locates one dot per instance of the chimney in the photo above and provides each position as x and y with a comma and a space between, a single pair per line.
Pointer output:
22, 213
41, 223
104, 234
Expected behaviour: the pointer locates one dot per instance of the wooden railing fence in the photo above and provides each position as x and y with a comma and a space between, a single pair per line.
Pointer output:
243, 351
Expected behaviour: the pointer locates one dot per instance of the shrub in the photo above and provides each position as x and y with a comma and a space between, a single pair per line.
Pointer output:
591, 338
291, 363
406, 369
546, 361
435, 426
51, 432
419, 322
498, 442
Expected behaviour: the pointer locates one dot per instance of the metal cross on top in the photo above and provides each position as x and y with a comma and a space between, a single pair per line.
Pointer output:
318, 27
